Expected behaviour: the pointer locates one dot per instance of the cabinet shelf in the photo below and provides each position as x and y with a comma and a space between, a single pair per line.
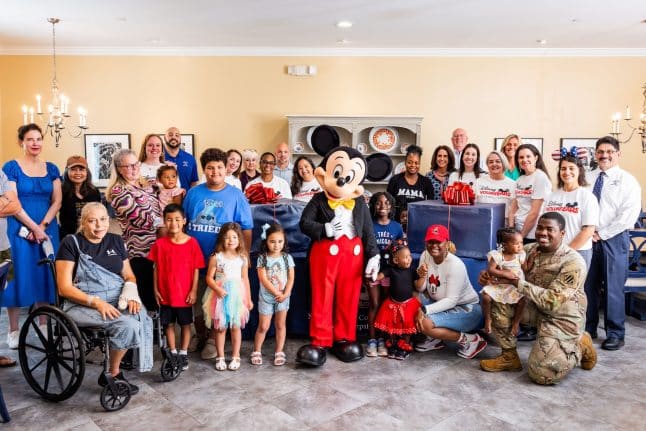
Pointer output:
354, 130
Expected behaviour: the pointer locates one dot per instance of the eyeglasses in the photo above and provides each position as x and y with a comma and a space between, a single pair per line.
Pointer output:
602, 152
131, 167
267, 162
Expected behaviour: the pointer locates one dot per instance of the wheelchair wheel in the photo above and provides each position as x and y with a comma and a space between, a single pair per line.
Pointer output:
170, 369
52, 358
113, 400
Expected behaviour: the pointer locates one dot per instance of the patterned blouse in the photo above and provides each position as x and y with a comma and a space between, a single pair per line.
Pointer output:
139, 215
438, 186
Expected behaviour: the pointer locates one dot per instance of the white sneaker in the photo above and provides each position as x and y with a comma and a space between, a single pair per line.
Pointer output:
209, 352
429, 344
12, 339
473, 347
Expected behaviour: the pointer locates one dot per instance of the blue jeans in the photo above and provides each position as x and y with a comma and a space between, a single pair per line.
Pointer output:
461, 318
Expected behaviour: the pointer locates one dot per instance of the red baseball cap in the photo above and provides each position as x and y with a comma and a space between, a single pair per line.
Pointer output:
437, 232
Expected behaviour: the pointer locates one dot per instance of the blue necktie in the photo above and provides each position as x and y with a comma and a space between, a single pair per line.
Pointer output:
598, 185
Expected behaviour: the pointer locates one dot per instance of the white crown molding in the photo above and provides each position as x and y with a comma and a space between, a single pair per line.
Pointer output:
328, 52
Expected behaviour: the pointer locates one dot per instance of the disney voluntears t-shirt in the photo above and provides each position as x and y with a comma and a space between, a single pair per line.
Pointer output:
579, 208
308, 189
109, 253
467, 177
490, 191
279, 185
529, 188
207, 210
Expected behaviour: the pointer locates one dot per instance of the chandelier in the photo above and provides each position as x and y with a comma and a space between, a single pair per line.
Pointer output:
58, 111
640, 128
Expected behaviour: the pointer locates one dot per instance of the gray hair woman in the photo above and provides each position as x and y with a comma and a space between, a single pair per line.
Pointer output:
139, 214
94, 277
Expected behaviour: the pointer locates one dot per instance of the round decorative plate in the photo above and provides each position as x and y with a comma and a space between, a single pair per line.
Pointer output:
383, 139
362, 148
401, 167
404, 146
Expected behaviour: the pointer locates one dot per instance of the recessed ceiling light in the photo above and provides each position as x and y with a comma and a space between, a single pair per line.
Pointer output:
344, 24
541, 41
122, 19
343, 41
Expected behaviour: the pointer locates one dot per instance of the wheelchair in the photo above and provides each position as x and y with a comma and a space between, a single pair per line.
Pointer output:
52, 355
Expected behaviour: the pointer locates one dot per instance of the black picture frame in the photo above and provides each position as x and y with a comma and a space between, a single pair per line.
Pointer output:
99, 150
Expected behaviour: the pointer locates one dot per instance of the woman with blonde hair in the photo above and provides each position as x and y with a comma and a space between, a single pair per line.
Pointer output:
151, 157
139, 215
508, 148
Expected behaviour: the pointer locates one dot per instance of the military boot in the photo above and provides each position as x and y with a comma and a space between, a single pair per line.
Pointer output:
507, 361
588, 353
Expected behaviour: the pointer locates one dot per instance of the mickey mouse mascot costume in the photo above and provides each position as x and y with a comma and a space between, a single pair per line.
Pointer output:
338, 222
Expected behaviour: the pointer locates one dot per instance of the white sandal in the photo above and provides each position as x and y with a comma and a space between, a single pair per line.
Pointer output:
256, 358
234, 364
279, 359
220, 364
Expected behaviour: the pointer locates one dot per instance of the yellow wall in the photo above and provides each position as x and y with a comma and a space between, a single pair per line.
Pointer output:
242, 101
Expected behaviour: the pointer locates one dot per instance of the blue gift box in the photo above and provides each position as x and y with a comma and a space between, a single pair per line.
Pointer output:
471, 227
287, 213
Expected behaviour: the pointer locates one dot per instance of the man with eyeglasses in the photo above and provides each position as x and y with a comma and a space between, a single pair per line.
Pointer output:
269, 180
185, 163
619, 196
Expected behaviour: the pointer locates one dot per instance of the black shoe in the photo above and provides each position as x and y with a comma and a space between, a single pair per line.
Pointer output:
126, 361
183, 362
528, 334
593, 335
400, 354
347, 351
612, 343
103, 381
313, 356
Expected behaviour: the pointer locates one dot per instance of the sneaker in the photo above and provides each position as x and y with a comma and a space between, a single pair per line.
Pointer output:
472, 348
404, 345
103, 381
392, 352
183, 362
429, 344
400, 354
381, 348
371, 350
209, 352
12, 339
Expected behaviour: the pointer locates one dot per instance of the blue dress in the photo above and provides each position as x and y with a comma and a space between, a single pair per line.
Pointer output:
32, 282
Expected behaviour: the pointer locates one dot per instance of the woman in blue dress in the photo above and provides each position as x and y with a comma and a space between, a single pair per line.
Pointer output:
38, 186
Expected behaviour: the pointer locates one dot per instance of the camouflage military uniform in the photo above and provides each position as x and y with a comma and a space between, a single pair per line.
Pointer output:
556, 307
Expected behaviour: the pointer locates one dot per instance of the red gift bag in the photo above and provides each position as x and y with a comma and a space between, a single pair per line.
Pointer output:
459, 194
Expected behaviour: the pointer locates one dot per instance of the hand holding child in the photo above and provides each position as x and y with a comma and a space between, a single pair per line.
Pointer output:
422, 271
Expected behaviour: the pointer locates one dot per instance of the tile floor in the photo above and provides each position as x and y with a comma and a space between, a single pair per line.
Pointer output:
429, 391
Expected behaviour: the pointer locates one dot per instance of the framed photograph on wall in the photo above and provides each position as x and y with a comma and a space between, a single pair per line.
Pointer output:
537, 142
187, 142
590, 162
99, 150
